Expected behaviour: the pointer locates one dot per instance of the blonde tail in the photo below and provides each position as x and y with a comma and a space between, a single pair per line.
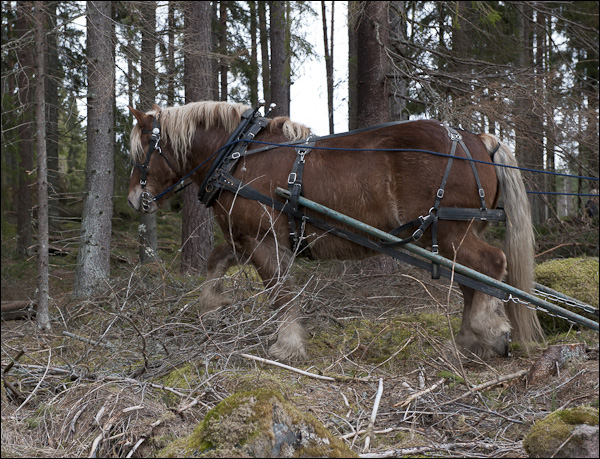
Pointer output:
519, 243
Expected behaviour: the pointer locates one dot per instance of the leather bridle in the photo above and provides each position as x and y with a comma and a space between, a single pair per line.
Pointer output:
154, 145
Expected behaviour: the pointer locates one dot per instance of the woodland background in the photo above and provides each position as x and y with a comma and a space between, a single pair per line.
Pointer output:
525, 71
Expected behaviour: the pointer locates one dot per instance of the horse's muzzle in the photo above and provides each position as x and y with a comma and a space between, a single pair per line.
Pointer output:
142, 201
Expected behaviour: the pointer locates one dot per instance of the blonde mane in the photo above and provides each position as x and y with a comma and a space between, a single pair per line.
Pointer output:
179, 124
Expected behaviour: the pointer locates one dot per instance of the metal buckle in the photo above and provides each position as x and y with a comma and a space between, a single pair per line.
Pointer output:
236, 155
292, 178
481, 193
440, 193
434, 248
147, 199
417, 234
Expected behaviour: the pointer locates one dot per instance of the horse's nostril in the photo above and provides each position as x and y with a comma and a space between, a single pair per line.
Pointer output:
131, 204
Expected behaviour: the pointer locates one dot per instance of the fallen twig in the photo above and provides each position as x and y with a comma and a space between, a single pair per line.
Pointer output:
95, 377
498, 380
13, 310
373, 415
14, 360
13, 389
38, 384
88, 341
419, 394
287, 367
562, 245
191, 404
423, 449
144, 437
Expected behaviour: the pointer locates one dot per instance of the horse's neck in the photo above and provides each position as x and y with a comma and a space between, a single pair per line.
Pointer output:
205, 148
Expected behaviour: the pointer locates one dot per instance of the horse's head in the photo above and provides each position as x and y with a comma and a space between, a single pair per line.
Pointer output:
151, 173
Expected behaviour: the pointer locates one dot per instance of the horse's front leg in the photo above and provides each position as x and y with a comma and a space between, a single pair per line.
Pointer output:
219, 261
273, 262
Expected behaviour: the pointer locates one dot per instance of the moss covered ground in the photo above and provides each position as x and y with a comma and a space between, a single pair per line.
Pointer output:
153, 367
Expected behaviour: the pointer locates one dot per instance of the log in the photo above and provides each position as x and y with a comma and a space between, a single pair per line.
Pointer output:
12, 310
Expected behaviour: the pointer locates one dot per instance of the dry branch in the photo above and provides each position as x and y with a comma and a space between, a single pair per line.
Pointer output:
373, 414
424, 449
21, 309
287, 367
419, 394
88, 341
498, 380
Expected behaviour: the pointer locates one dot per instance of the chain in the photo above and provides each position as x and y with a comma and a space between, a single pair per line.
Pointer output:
515, 299
569, 302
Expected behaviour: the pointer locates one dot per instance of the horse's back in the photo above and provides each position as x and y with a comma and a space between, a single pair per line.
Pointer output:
398, 172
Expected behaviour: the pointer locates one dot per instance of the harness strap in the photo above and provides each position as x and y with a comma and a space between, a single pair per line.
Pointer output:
250, 125
295, 189
459, 213
152, 145
473, 167
234, 185
436, 213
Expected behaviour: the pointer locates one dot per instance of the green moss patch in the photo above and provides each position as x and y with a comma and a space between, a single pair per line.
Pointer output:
549, 434
574, 277
261, 423
378, 341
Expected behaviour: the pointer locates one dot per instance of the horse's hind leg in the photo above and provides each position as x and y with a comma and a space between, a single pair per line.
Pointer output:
273, 263
484, 326
219, 261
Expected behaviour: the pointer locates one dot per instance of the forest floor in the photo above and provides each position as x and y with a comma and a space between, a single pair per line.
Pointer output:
133, 369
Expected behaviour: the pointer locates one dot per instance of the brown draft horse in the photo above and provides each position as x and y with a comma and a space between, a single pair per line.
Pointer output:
380, 188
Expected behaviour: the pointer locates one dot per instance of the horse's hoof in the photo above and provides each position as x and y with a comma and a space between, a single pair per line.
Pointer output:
287, 353
501, 344
210, 302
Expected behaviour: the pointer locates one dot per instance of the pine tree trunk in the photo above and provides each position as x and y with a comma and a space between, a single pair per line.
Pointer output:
353, 19
171, 72
223, 67
253, 55
264, 51
24, 77
43, 317
52, 78
148, 238
279, 82
399, 85
527, 120
328, 61
93, 259
373, 104
197, 237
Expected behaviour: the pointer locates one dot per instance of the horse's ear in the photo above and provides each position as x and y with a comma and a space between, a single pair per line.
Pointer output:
141, 117
156, 108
